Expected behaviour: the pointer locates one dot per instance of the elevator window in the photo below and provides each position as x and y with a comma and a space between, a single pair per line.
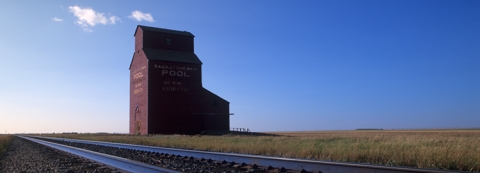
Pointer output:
168, 41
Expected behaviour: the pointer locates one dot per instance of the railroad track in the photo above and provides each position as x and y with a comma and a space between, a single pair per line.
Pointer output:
121, 164
300, 165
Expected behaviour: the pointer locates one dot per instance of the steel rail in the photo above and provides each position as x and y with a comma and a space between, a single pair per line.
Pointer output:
289, 163
122, 164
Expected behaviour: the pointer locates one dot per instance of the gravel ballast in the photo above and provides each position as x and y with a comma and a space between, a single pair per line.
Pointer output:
27, 156
173, 162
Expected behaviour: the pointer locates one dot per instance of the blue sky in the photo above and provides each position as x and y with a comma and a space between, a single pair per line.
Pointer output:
283, 65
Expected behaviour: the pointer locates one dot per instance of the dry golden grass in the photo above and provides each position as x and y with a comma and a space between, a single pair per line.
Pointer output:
4, 141
438, 149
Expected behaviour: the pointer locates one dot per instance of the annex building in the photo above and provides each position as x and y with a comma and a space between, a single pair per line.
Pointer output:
166, 92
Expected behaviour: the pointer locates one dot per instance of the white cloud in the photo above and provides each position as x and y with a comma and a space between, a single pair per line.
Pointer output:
88, 18
87, 29
139, 16
57, 19
113, 19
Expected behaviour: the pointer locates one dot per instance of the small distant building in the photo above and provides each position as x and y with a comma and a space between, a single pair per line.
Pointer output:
166, 91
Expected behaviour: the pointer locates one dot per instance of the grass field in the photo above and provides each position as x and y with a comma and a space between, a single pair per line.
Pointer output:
4, 141
438, 149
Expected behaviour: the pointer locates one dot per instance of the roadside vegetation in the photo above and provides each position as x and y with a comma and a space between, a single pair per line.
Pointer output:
4, 141
437, 149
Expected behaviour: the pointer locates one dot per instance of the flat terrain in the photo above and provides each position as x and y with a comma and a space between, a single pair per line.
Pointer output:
438, 149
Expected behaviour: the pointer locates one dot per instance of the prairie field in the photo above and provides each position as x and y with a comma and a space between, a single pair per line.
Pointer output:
437, 149
4, 141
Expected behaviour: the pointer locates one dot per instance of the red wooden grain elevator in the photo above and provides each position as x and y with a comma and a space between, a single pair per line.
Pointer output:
166, 91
